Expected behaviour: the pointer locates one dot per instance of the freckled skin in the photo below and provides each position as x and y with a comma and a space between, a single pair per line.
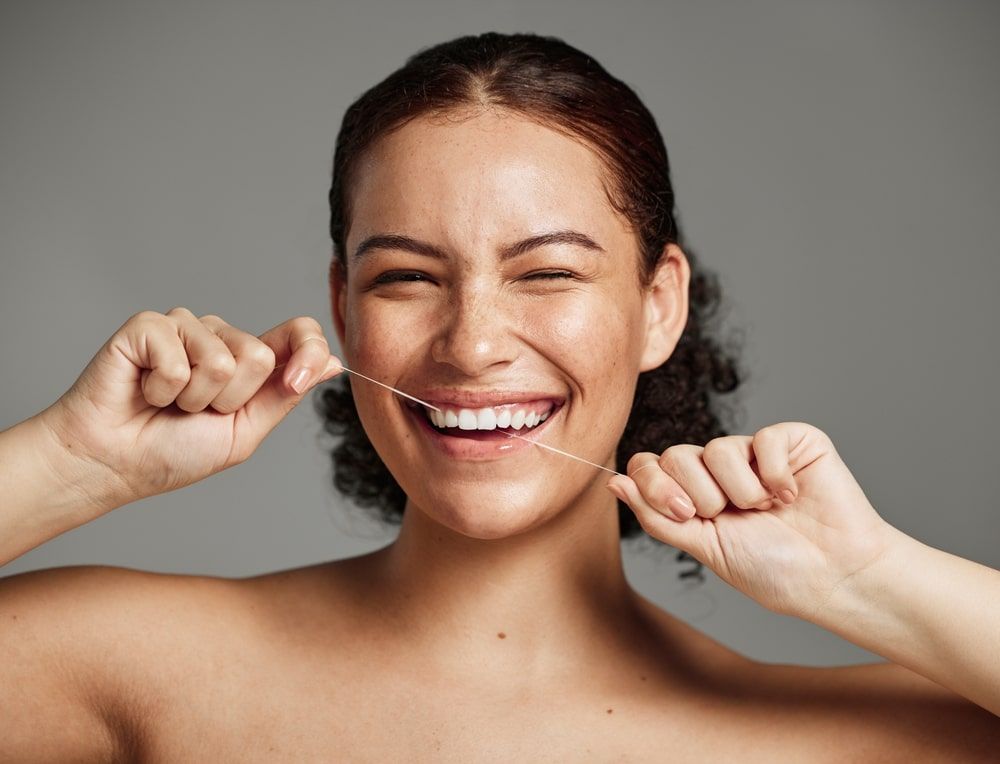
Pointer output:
470, 187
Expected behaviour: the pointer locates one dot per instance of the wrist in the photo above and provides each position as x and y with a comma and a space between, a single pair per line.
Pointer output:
77, 479
870, 606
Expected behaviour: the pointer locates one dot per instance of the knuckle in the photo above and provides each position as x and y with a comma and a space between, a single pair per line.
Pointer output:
636, 461
147, 320
220, 367
145, 316
260, 359
713, 449
767, 434
211, 319
307, 323
670, 460
179, 310
176, 375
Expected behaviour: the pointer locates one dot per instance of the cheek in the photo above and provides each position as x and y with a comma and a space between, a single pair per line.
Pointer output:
374, 340
589, 336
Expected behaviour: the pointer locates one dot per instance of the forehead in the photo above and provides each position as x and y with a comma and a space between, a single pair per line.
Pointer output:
479, 181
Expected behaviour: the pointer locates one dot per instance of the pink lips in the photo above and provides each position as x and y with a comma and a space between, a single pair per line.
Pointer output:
471, 448
469, 399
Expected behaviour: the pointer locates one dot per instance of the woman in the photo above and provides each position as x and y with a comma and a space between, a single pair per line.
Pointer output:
506, 252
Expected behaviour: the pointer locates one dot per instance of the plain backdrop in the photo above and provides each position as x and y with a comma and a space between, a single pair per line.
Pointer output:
835, 163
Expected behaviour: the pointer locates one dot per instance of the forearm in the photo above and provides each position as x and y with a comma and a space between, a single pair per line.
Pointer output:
44, 490
933, 612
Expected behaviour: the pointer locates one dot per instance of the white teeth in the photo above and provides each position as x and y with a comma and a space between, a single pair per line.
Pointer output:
486, 418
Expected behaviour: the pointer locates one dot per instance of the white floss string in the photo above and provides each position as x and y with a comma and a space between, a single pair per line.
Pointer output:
571, 456
387, 387
508, 434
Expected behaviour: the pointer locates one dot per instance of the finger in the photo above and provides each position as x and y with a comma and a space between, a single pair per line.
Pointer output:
290, 341
683, 463
300, 345
254, 364
657, 488
771, 449
685, 535
151, 342
211, 363
728, 459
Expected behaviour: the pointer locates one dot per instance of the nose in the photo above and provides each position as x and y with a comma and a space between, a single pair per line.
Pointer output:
475, 332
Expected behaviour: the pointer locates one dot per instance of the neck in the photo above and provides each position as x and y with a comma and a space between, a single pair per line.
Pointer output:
534, 603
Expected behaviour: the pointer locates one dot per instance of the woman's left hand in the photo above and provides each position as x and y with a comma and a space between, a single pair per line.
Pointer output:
789, 556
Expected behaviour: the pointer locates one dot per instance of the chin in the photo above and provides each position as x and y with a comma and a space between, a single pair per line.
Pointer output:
469, 513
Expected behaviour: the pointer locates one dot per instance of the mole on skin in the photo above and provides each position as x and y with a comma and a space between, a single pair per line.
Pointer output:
502, 635
609, 710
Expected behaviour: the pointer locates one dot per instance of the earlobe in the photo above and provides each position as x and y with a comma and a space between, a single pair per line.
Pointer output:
666, 307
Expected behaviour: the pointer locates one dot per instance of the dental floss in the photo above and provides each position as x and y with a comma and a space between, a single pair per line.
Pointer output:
422, 403
508, 434
552, 448
387, 387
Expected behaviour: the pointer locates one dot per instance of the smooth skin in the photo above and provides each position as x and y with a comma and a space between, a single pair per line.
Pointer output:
499, 624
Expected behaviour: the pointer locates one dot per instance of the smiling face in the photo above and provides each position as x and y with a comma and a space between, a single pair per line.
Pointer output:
450, 309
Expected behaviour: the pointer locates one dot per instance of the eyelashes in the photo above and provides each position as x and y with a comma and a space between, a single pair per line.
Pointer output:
403, 276
388, 278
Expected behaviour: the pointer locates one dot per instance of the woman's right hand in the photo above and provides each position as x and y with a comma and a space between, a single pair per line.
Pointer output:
173, 398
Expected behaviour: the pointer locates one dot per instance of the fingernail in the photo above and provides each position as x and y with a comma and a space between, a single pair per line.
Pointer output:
298, 382
681, 507
786, 495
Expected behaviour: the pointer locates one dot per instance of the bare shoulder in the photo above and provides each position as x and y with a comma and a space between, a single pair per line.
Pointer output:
878, 711
93, 638
119, 614
871, 712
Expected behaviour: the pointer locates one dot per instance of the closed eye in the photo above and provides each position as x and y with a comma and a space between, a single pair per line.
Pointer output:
551, 275
386, 278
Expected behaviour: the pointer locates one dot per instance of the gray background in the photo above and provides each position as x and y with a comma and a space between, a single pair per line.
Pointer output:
836, 163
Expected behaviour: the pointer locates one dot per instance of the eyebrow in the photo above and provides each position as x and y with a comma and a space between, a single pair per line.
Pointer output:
396, 241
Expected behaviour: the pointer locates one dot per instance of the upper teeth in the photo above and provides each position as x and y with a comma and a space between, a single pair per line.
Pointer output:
486, 418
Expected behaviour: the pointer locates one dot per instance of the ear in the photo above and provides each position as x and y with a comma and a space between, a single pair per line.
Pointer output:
666, 307
338, 298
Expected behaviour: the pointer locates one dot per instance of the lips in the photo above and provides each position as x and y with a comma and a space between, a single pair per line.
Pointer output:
477, 445
470, 399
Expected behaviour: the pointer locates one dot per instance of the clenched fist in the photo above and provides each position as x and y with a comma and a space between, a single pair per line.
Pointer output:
173, 398
777, 515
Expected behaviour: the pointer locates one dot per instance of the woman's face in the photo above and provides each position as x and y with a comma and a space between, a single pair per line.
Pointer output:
450, 313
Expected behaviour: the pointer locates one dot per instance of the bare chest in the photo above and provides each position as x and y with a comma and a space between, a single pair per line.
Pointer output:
283, 712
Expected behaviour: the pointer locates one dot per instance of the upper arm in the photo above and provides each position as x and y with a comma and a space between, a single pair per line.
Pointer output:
62, 694
905, 714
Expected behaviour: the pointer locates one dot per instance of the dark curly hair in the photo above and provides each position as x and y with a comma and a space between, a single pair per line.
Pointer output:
546, 80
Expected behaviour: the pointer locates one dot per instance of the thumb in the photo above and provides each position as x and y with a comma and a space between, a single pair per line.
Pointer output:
684, 535
274, 401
